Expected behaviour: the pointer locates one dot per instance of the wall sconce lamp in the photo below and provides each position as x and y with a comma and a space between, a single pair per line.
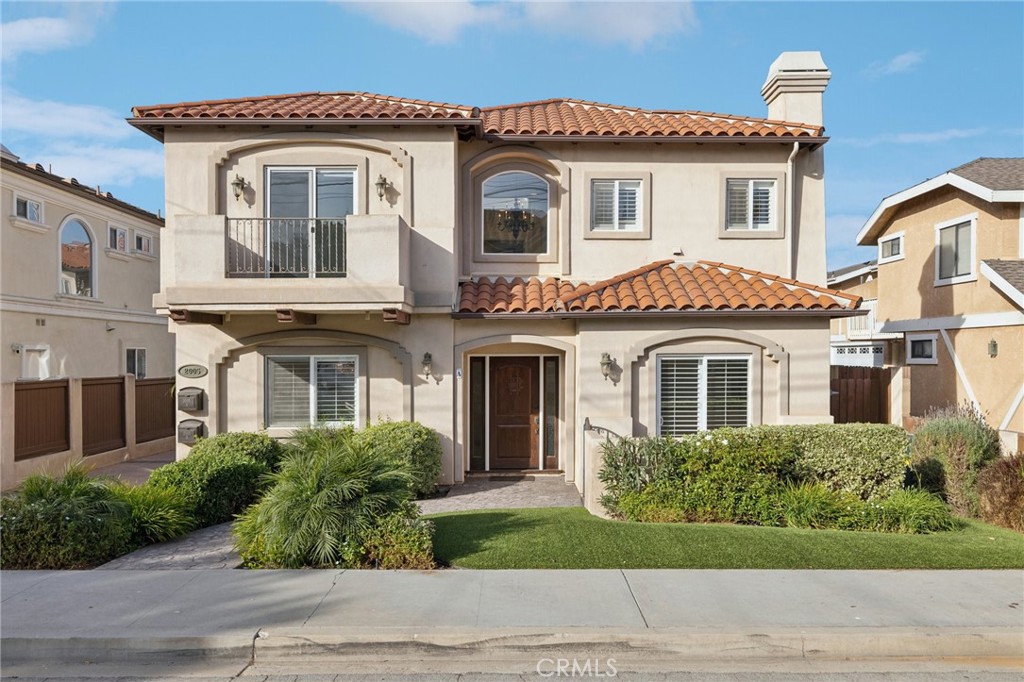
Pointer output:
428, 364
238, 186
606, 365
382, 186
993, 348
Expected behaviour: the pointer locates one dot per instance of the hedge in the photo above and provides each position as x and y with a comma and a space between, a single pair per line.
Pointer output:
215, 485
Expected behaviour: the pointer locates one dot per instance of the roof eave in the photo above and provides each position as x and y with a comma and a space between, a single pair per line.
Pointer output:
562, 315
149, 124
810, 142
1004, 287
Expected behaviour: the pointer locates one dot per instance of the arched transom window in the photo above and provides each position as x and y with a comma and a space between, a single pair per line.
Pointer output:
515, 213
76, 264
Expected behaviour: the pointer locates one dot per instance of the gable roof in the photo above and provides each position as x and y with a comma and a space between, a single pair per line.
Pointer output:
550, 118
850, 271
1006, 275
995, 180
661, 287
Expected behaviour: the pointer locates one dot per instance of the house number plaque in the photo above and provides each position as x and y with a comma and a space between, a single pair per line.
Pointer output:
192, 371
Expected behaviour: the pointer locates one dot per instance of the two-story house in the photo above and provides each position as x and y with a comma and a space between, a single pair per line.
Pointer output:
79, 270
508, 275
950, 291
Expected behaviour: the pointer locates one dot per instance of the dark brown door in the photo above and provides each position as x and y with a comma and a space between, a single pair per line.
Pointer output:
515, 413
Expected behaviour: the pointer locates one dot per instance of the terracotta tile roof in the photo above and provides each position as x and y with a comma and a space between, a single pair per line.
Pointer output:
994, 173
580, 118
553, 117
663, 286
309, 105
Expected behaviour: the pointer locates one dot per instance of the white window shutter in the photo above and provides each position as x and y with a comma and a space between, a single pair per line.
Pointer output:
736, 204
679, 395
628, 204
288, 393
336, 390
603, 203
727, 389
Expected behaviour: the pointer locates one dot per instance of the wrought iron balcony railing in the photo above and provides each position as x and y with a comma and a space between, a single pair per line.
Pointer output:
285, 247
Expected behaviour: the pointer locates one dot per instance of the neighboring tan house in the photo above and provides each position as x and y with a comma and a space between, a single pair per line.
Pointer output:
856, 341
950, 288
508, 276
80, 269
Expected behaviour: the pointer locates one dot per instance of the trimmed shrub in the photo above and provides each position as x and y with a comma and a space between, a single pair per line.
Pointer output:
411, 444
813, 505
400, 540
1001, 492
629, 465
215, 485
257, 446
908, 511
328, 494
63, 522
154, 514
868, 460
957, 442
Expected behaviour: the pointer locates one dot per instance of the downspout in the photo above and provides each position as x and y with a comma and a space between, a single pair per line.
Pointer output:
790, 189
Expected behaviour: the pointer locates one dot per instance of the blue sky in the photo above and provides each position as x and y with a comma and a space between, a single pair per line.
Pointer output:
917, 88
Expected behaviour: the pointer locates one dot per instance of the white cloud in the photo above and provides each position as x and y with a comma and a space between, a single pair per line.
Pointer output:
923, 137
47, 118
45, 34
901, 63
634, 24
99, 164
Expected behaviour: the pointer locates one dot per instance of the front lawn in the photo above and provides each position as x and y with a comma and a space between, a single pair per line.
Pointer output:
572, 538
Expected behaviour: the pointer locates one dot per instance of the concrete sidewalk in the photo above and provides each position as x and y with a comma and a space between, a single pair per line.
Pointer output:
643, 618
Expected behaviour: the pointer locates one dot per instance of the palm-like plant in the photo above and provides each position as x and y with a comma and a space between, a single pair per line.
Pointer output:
327, 494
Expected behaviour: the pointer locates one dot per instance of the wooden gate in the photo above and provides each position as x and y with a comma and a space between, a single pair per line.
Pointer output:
102, 415
41, 418
860, 394
154, 409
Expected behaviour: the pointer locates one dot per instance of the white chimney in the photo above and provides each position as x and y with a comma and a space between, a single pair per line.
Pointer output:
793, 89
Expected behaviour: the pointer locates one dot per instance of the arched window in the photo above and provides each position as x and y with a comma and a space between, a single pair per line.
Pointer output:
76, 263
515, 213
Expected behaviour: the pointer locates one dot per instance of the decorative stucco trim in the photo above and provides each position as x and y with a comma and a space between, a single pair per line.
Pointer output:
640, 352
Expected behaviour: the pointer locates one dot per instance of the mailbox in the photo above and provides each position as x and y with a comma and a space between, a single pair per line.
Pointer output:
190, 399
190, 430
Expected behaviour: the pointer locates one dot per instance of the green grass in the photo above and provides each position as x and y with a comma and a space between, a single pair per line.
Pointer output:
572, 538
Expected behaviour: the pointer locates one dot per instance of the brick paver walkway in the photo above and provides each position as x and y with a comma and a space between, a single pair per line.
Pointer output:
211, 548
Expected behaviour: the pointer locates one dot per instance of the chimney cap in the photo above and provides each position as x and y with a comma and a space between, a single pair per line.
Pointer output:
795, 63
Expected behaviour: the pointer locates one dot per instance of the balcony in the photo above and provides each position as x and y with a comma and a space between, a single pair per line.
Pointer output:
863, 325
220, 264
285, 247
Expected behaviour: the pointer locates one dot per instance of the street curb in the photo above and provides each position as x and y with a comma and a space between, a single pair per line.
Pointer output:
330, 644
112, 649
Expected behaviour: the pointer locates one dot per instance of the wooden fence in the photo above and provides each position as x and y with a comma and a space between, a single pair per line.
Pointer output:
860, 394
154, 409
41, 418
103, 415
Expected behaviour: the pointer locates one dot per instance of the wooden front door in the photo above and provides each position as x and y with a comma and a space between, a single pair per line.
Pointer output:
515, 412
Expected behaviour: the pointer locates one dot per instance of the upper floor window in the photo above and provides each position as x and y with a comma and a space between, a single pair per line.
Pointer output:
143, 243
76, 259
615, 205
750, 204
890, 248
294, 192
954, 251
515, 214
28, 209
117, 239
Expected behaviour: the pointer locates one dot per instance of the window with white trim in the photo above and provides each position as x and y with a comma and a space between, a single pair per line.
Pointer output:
28, 209
921, 349
890, 248
515, 216
135, 362
615, 205
143, 243
117, 239
312, 389
750, 204
698, 393
76, 260
954, 252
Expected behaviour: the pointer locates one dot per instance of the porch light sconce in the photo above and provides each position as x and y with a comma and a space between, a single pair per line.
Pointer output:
238, 186
428, 364
382, 186
993, 348
606, 365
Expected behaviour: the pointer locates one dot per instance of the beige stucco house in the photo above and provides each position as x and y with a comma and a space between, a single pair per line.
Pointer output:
949, 291
78, 271
509, 275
